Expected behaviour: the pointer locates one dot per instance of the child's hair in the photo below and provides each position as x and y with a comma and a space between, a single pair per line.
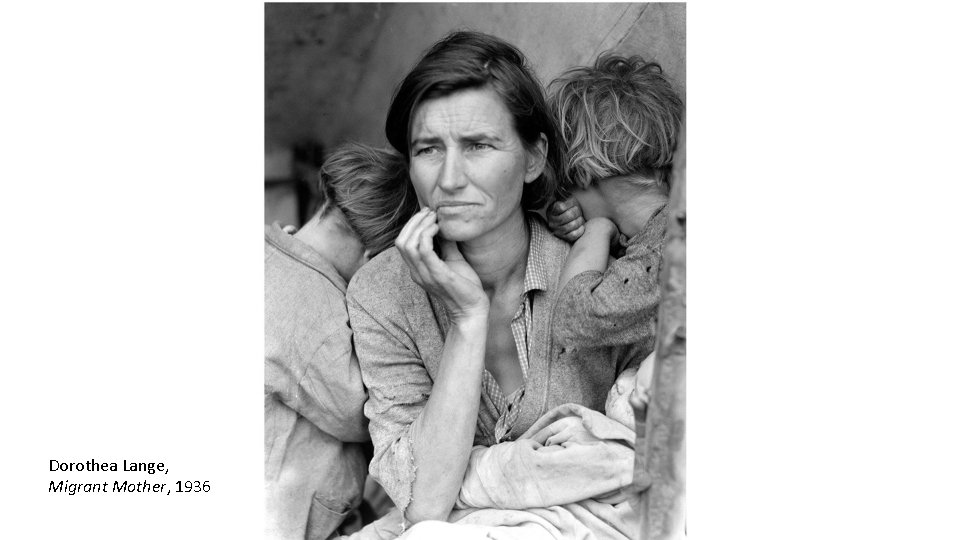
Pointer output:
619, 117
372, 188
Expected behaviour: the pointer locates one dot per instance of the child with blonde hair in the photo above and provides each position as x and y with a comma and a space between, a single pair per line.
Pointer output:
619, 120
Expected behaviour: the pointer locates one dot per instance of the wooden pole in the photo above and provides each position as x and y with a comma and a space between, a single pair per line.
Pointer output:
660, 465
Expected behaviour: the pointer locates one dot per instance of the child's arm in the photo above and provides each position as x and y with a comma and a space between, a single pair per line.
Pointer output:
591, 251
618, 305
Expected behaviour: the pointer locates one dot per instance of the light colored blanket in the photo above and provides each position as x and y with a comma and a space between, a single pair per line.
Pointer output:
571, 454
567, 477
564, 478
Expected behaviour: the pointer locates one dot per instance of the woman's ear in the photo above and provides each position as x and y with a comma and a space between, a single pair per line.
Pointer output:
537, 159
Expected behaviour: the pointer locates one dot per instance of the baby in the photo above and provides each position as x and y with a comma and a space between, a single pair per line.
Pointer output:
632, 383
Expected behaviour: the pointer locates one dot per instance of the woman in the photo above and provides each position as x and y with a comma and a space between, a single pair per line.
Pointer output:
452, 328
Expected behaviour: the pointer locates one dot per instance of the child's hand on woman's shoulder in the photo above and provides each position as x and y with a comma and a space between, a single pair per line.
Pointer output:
566, 220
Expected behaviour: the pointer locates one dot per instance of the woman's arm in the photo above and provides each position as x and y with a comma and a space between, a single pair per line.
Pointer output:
442, 435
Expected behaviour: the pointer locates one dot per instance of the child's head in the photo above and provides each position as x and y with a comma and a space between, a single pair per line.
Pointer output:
370, 187
617, 119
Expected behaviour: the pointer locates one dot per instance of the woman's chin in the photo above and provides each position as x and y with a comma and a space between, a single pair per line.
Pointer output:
457, 232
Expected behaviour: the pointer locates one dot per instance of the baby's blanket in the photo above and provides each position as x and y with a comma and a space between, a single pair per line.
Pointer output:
564, 478
571, 454
567, 477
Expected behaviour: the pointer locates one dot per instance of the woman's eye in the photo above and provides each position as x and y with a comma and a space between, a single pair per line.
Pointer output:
426, 150
479, 146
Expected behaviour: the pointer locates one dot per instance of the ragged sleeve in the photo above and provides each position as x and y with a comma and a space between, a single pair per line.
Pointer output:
398, 385
615, 307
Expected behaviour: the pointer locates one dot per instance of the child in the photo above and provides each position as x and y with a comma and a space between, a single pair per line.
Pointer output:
315, 433
619, 120
633, 383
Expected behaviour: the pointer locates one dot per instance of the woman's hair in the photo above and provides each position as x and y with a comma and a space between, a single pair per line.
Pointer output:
465, 60
619, 117
372, 189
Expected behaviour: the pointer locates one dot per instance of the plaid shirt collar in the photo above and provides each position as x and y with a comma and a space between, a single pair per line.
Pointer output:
535, 278
535, 275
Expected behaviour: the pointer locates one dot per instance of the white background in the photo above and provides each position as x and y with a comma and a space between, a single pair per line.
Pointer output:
822, 267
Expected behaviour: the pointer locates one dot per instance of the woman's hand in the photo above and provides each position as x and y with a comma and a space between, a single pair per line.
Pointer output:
566, 220
442, 434
452, 279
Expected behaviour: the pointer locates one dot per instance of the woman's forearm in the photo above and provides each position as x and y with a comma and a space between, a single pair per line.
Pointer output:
442, 436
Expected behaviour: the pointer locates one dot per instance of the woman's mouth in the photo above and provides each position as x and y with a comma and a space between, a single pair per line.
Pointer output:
453, 207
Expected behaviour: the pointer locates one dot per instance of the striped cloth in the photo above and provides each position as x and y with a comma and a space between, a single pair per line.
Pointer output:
535, 278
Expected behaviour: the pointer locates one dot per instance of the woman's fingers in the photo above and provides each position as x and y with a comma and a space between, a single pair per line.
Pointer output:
450, 250
425, 253
408, 244
421, 243
458, 282
451, 277
439, 270
558, 431
412, 224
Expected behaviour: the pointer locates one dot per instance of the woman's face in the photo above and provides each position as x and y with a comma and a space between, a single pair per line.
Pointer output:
469, 164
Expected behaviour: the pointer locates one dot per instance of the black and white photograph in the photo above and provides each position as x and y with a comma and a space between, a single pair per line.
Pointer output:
479, 291
474, 270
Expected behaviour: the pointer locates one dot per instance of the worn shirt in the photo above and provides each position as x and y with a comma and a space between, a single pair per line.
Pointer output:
314, 428
619, 305
534, 279
399, 333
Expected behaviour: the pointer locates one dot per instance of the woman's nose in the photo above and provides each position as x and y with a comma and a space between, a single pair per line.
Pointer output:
452, 175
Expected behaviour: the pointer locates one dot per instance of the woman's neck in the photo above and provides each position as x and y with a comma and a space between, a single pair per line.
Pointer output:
500, 257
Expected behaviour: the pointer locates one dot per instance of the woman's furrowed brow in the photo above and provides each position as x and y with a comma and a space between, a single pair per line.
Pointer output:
480, 136
427, 139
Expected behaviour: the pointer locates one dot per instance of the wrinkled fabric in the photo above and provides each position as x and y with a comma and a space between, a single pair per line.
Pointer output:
387, 527
314, 428
567, 477
619, 305
586, 520
572, 453
534, 279
400, 332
